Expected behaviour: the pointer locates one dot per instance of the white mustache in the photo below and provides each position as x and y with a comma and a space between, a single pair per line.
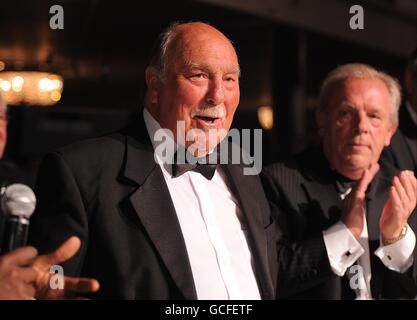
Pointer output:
210, 112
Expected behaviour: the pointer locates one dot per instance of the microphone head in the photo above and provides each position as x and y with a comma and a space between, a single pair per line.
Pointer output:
18, 200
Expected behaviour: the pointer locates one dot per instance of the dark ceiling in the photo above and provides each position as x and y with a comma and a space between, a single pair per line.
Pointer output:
104, 44
103, 49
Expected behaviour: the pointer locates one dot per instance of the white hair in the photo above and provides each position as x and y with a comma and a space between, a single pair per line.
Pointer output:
158, 58
361, 71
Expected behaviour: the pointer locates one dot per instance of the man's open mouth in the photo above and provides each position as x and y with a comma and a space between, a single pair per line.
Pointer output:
206, 119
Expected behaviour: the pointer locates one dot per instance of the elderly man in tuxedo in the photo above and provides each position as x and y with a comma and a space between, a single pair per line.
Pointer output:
347, 224
155, 230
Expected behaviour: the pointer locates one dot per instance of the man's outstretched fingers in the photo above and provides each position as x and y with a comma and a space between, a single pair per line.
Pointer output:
81, 284
64, 252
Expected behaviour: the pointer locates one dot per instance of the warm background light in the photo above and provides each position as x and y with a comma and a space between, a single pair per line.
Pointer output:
266, 117
31, 88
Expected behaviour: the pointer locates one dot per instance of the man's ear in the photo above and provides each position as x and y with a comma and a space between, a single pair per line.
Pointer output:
321, 122
391, 132
152, 85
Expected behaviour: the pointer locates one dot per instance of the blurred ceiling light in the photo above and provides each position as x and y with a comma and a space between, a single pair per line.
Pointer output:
55, 96
266, 117
31, 87
17, 83
2, 65
5, 85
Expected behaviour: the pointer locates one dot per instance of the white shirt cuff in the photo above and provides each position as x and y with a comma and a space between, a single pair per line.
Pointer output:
399, 255
342, 248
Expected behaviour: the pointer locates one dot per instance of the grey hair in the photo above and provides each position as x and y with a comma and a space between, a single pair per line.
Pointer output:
361, 71
158, 59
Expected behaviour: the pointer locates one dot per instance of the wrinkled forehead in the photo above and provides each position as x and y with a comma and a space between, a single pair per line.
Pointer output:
365, 89
202, 47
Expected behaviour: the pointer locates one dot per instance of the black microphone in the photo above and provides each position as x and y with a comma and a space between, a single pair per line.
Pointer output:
17, 203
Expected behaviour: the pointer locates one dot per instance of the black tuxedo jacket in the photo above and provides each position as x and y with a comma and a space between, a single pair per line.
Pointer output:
402, 152
306, 202
10, 173
110, 192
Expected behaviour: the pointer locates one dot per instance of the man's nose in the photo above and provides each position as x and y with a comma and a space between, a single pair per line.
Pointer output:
215, 94
361, 124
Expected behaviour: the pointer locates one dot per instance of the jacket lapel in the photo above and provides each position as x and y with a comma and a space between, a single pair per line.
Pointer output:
155, 209
321, 189
242, 187
326, 200
376, 197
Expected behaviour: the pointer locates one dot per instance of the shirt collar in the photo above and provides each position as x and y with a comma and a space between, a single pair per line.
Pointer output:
153, 127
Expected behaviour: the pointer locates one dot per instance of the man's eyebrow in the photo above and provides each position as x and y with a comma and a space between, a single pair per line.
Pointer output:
190, 66
373, 107
347, 105
235, 70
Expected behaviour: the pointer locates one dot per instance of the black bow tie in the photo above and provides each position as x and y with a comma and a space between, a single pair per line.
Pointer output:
200, 165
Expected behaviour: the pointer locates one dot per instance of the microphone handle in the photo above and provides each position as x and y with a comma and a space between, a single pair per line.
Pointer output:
16, 231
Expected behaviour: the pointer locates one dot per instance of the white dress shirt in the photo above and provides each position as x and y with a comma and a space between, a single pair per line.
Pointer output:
213, 229
344, 250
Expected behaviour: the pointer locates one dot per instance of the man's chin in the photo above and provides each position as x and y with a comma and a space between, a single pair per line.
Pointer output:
357, 163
